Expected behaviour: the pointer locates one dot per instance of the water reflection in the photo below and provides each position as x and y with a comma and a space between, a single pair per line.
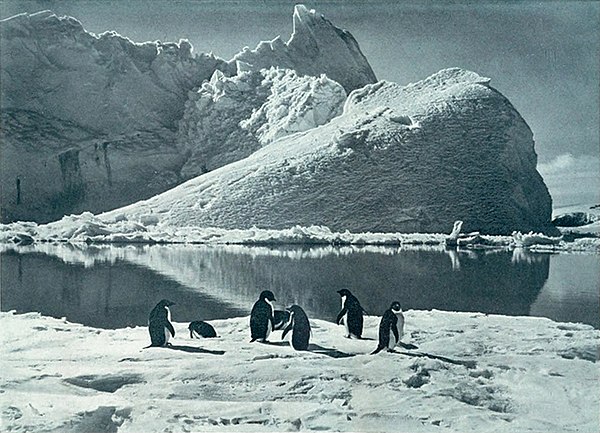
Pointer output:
572, 290
110, 286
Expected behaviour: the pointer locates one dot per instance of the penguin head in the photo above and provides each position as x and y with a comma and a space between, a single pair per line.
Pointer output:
267, 295
165, 303
294, 309
344, 292
396, 307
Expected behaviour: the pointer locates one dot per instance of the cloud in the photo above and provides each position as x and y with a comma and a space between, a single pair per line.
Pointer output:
566, 164
572, 180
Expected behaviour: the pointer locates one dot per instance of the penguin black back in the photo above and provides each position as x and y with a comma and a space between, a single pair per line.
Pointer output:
300, 327
159, 324
262, 321
351, 314
388, 328
199, 328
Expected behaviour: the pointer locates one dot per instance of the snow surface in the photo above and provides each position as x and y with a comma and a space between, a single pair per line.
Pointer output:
399, 159
231, 117
493, 373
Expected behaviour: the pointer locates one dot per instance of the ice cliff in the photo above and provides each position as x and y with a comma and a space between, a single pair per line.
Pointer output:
406, 159
90, 122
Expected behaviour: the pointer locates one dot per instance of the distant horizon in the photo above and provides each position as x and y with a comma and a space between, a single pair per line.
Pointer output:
543, 56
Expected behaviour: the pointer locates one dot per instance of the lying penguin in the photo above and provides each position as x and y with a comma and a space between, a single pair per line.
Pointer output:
300, 326
281, 318
159, 324
201, 329
391, 329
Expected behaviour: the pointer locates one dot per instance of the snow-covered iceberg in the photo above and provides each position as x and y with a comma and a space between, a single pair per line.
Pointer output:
399, 159
90, 121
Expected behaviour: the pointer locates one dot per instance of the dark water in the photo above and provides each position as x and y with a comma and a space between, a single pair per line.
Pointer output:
113, 287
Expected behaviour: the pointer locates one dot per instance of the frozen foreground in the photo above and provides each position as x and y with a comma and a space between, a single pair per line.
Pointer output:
514, 375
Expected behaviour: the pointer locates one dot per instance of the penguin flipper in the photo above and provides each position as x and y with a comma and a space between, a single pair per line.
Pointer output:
286, 330
169, 326
340, 315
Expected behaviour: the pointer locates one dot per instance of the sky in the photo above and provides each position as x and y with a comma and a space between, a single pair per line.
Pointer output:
542, 55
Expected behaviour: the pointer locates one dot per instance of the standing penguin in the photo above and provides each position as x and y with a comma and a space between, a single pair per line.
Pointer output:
159, 324
351, 314
261, 317
300, 327
391, 329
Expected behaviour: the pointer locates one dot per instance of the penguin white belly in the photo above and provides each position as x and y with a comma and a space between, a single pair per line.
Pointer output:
345, 322
400, 317
392, 343
269, 323
167, 332
345, 318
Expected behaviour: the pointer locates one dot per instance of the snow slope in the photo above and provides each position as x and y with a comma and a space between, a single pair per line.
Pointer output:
485, 373
399, 159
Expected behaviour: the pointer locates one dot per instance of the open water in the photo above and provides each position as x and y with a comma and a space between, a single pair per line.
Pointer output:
117, 286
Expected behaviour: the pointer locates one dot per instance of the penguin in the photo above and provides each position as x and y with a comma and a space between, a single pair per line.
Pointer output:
391, 329
281, 318
159, 324
300, 327
200, 329
351, 314
262, 321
